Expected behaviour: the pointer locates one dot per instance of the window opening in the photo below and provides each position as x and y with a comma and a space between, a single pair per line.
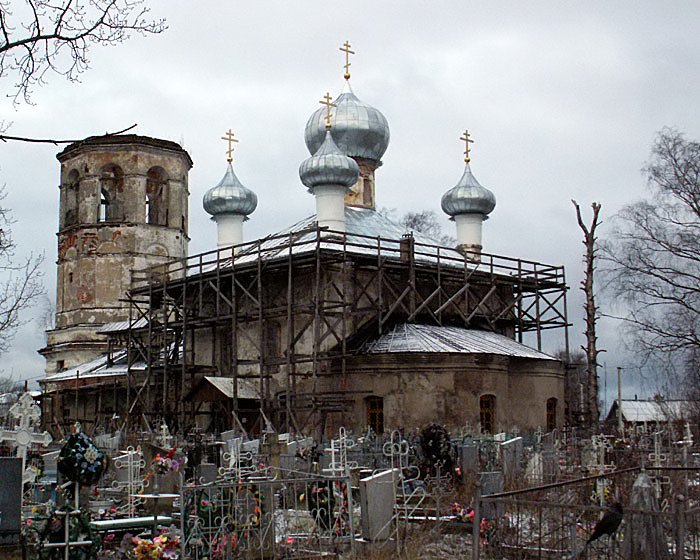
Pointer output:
551, 414
487, 413
375, 414
104, 204
156, 199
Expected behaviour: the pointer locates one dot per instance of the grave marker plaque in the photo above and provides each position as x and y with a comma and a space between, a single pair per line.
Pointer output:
10, 499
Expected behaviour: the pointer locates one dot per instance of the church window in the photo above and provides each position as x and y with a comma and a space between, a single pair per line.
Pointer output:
111, 189
156, 197
60, 365
71, 215
104, 204
551, 414
375, 414
487, 413
70, 277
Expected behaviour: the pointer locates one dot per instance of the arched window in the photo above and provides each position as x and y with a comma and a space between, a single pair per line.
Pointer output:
487, 413
102, 212
551, 414
112, 188
375, 414
156, 197
71, 214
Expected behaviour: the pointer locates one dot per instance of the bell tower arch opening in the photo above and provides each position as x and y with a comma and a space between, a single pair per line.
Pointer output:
157, 196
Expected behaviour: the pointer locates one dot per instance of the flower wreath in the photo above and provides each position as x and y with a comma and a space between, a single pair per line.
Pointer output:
80, 461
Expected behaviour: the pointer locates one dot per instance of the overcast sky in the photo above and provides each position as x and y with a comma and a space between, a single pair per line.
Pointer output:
563, 100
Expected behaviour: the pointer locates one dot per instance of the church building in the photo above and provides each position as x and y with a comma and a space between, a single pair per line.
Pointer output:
342, 319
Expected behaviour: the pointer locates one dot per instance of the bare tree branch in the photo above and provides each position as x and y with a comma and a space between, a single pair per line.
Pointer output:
42, 36
5, 137
20, 283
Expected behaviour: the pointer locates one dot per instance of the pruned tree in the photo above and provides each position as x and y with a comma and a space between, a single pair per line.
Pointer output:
652, 259
591, 310
38, 37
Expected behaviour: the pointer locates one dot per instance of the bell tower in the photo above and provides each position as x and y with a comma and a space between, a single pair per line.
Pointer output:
123, 207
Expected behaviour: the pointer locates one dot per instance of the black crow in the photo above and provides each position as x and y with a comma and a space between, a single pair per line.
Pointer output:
608, 524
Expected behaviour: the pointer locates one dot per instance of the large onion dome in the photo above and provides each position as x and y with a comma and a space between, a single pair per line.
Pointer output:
230, 197
468, 197
358, 129
328, 166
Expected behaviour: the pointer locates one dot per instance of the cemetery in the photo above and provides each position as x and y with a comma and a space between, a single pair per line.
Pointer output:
427, 493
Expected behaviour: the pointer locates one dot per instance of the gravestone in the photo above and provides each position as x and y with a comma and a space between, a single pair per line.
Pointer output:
534, 470
251, 446
644, 532
550, 462
511, 457
10, 499
469, 460
377, 504
491, 483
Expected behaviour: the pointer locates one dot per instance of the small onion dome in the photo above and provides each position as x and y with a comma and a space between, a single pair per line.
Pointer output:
359, 130
468, 197
230, 197
329, 166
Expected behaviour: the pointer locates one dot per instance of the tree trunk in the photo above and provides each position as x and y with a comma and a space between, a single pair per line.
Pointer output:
591, 349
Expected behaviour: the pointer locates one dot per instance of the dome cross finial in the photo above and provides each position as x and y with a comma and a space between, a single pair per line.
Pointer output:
328, 103
346, 49
229, 137
467, 140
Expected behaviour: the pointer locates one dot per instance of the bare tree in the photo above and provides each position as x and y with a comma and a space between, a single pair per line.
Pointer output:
652, 258
38, 37
591, 348
425, 222
20, 281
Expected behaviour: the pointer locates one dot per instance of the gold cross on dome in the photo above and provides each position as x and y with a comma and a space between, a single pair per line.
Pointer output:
467, 140
346, 49
231, 140
328, 103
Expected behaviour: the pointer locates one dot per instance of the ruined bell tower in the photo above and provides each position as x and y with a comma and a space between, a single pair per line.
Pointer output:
123, 207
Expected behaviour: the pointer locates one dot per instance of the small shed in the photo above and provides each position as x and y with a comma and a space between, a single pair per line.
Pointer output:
648, 414
213, 400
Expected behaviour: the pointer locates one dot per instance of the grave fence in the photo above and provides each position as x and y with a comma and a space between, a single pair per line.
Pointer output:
555, 520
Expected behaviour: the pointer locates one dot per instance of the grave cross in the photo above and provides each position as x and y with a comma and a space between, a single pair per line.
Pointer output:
28, 412
164, 438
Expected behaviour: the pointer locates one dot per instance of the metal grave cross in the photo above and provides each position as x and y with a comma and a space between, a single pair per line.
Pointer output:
28, 412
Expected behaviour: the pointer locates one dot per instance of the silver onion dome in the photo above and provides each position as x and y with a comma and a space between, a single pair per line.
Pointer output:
468, 197
328, 166
358, 129
230, 197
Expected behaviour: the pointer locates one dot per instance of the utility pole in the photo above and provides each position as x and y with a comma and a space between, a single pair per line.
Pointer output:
620, 427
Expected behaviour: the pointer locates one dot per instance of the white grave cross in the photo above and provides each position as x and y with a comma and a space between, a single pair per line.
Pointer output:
28, 412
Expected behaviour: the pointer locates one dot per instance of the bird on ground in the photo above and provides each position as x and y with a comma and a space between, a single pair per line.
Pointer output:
608, 524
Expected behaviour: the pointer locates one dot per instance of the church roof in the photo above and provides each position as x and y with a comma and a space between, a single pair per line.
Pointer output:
367, 232
408, 337
95, 368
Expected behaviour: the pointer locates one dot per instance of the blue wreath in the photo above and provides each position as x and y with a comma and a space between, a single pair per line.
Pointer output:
81, 461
